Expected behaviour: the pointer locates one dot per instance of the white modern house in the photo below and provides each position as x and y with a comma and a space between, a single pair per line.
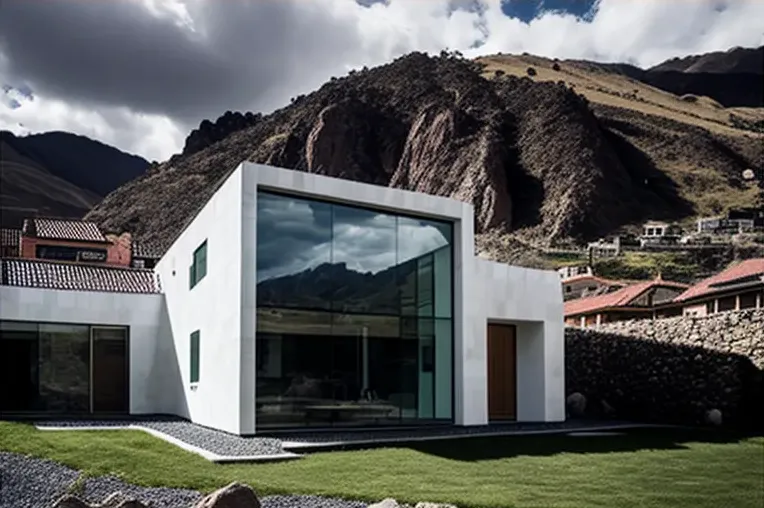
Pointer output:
292, 300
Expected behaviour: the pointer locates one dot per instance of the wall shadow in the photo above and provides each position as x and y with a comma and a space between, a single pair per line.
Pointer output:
651, 381
494, 448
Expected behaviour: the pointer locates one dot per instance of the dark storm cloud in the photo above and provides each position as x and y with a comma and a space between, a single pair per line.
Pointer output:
116, 52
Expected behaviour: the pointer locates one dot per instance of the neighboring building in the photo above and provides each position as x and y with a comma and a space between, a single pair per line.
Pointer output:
9, 242
659, 233
722, 226
637, 301
739, 287
567, 272
604, 249
290, 300
73, 241
582, 286
753, 214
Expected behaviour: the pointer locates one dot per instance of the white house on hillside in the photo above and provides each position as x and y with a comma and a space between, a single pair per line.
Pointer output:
292, 300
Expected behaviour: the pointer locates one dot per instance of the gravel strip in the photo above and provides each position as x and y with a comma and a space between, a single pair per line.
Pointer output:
215, 441
339, 436
28, 482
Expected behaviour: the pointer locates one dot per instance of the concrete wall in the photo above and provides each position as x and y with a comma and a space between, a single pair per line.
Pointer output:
531, 300
152, 373
214, 308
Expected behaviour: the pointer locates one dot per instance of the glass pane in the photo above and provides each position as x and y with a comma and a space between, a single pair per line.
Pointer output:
18, 367
294, 244
364, 258
444, 346
356, 325
194, 376
110, 370
442, 275
200, 261
65, 368
424, 297
293, 321
418, 242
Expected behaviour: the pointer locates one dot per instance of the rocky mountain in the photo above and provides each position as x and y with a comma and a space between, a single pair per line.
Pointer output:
547, 152
734, 61
59, 174
732, 78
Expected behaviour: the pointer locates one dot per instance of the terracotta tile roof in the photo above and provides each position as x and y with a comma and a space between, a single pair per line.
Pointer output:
620, 298
63, 229
742, 270
145, 250
601, 280
37, 273
10, 237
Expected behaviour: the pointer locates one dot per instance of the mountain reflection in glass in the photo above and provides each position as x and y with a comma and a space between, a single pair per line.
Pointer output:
354, 315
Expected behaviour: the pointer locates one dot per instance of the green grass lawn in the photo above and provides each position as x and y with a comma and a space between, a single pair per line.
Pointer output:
646, 468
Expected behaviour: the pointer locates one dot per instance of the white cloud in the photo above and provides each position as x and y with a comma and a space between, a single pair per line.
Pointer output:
185, 60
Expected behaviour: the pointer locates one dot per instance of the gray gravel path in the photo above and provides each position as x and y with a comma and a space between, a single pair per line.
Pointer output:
215, 441
350, 436
28, 482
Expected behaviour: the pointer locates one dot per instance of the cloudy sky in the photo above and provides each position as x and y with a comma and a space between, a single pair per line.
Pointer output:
139, 74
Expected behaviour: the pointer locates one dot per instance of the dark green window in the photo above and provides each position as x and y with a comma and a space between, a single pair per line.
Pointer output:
195, 357
198, 268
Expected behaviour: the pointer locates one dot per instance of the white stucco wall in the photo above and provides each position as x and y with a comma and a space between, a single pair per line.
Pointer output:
223, 305
531, 300
152, 373
213, 307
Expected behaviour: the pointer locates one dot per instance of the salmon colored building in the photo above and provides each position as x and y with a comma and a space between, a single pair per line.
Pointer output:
638, 301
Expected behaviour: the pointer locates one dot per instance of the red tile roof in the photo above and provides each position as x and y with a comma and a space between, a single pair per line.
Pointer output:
586, 276
9, 237
742, 270
145, 250
42, 274
620, 298
63, 229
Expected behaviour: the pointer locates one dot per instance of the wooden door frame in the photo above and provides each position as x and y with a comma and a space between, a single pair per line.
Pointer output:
513, 346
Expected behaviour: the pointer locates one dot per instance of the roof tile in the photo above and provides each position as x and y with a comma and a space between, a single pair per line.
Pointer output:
619, 298
75, 277
63, 229
145, 250
744, 269
10, 237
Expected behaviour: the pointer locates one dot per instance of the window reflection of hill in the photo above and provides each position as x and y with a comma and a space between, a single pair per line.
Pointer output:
334, 287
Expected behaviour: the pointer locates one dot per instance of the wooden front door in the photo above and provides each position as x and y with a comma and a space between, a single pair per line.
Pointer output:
502, 372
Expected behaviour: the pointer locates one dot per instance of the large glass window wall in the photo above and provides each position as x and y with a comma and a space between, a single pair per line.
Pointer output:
55, 368
354, 315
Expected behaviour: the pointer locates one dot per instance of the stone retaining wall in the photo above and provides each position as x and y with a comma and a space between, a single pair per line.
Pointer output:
671, 370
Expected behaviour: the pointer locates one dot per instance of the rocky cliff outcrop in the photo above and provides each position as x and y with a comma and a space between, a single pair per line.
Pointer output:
532, 157
671, 370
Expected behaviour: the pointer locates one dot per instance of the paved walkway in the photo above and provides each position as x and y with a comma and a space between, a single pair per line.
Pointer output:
221, 446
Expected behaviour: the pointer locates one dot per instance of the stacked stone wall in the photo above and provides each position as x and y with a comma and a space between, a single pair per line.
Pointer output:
675, 370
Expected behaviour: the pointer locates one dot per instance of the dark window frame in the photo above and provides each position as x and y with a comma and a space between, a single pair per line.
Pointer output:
195, 356
198, 269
